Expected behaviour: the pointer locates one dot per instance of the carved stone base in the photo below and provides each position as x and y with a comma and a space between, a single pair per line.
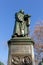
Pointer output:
21, 51
21, 60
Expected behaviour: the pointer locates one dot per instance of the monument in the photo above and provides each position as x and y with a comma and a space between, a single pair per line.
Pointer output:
21, 51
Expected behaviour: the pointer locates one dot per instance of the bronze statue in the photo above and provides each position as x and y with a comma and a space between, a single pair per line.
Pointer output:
22, 23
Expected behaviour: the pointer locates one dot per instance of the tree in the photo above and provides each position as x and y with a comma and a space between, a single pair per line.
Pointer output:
1, 63
38, 38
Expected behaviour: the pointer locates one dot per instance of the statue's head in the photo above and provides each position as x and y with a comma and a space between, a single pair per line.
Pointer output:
21, 11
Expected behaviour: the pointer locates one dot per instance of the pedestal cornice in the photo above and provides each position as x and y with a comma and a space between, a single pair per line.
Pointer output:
21, 39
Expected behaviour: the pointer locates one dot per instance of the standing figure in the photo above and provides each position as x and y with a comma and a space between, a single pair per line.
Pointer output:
18, 23
21, 24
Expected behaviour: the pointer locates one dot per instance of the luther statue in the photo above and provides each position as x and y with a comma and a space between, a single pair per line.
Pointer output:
22, 22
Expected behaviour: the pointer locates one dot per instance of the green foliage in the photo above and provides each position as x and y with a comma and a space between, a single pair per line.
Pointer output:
1, 63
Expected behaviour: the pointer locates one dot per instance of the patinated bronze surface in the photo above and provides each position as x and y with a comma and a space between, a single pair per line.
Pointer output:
22, 22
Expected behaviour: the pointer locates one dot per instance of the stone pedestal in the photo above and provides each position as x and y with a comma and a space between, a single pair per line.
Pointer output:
21, 51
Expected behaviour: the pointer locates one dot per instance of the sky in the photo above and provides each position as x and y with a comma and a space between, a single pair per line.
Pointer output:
8, 8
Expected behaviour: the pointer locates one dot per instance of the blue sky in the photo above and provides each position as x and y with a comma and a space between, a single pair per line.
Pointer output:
7, 11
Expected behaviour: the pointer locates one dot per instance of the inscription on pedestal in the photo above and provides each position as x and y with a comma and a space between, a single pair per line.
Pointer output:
21, 49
